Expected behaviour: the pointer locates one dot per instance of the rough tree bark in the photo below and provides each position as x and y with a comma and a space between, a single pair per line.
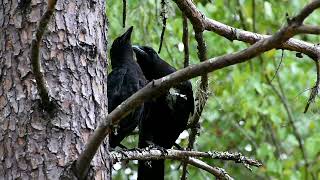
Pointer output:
34, 145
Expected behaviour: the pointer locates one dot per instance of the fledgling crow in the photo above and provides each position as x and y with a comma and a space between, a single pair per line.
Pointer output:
125, 79
166, 116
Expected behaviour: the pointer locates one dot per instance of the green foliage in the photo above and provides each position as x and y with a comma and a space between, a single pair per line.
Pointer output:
244, 113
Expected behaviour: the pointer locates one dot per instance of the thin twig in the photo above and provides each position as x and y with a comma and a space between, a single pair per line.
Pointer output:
185, 41
219, 173
280, 93
164, 17
278, 67
124, 13
35, 58
201, 94
242, 20
254, 16
244, 26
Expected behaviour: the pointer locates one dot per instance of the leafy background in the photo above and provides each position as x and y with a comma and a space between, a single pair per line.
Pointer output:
244, 113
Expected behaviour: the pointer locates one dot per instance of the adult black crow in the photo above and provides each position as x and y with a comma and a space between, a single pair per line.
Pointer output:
166, 116
125, 79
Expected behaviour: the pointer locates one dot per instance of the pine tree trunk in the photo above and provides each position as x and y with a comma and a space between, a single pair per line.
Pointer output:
34, 145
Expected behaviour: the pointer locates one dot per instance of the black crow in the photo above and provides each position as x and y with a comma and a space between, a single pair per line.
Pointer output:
165, 116
125, 79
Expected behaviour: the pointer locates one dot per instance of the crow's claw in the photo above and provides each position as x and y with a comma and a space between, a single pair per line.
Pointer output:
162, 149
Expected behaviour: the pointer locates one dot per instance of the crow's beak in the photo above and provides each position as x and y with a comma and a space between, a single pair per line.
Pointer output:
126, 37
138, 50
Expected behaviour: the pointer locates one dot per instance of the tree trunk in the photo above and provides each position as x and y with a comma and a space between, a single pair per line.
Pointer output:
34, 145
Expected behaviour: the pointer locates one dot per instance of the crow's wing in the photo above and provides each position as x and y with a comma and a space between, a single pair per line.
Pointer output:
115, 85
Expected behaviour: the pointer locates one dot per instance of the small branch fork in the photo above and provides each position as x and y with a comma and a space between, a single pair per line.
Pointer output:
48, 105
156, 87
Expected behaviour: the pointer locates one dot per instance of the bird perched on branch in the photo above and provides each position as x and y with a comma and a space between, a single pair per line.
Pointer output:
125, 79
166, 116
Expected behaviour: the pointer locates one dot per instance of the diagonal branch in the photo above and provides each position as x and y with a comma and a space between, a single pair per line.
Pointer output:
280, 93
219, 173
35, 57
156, 87
232, 33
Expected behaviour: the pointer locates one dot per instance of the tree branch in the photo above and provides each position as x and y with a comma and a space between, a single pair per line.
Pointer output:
35, 59
188, 157
309, 29
159, 86
147, 154
219, 173
164, 17
185, 40
124, 13
232, 33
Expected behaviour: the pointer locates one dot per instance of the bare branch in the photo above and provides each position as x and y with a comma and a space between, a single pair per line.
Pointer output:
253, 4
308, 29
159, 86
35, 59
305, 12
202, 93
219, 173
278, 67
232, 33
187, 157
124, 13
156, 154
185, 40
164, 17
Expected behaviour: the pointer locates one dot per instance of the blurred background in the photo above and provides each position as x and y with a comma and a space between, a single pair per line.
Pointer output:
246, 112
